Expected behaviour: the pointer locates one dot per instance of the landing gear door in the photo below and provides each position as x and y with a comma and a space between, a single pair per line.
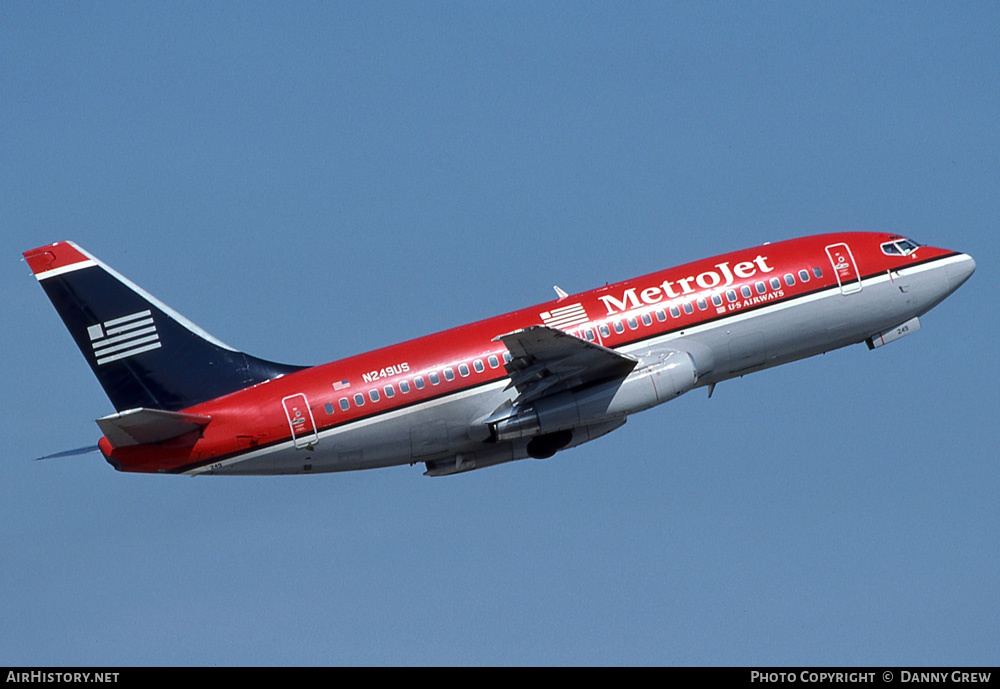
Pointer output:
844, 268
300, 420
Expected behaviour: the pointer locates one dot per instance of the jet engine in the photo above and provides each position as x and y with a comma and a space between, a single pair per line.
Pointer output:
654, 382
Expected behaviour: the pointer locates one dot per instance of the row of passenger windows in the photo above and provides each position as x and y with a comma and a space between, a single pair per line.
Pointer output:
731, 296
418, 383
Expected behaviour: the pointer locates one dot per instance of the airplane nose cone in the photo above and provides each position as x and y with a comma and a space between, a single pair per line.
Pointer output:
960, 271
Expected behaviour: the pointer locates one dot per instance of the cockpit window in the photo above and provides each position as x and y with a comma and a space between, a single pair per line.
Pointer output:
900, 247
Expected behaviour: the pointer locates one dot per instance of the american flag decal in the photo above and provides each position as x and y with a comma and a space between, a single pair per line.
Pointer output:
123, 337
565, 317
340, 385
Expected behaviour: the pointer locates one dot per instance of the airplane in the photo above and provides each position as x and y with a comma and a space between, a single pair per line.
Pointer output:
528, 383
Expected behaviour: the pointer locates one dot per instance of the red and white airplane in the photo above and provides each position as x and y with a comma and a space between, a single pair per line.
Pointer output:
524, 384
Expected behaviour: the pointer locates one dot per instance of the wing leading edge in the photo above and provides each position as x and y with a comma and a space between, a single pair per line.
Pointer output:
546, 361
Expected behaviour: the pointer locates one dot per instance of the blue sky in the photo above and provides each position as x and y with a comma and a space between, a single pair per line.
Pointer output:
313, 180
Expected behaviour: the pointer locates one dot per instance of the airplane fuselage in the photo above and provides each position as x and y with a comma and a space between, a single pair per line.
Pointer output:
430, 399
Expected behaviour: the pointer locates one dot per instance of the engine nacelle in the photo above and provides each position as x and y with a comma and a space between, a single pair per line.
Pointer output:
671, 374
538, 447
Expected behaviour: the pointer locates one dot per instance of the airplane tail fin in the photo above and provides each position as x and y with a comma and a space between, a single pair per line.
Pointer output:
145, 354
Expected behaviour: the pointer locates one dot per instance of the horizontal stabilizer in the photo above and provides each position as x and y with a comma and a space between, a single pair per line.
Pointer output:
71, 453
142, 426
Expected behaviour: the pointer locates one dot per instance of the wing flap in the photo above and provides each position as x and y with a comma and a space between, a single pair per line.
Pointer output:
546, 360
142, 426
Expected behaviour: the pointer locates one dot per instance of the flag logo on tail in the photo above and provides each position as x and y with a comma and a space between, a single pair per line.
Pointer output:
120, 338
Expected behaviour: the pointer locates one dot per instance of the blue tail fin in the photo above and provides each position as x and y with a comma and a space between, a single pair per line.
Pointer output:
143, 352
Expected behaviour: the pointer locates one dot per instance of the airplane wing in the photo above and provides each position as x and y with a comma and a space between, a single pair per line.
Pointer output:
545, 361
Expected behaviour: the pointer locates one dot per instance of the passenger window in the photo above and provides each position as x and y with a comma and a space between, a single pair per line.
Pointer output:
702, 304
588, 334
329, 407
803, 276
661, 315
746, 292
633, 323
775, 283
404, 387
619, 327
389, 391
605, 332
507, 358
419, 382
731, 295
688, 308
717, 299
373, 394
463, 369
761, 287
494, 362
359, 400
789, 279
818, 273
449, 374
675, 312
435, 378
344, 404
478, 365
647, 319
